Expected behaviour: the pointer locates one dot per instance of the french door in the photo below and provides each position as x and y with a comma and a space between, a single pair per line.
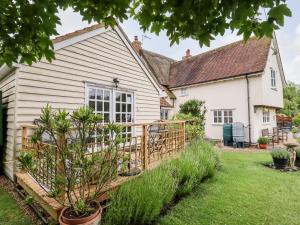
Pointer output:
115, 106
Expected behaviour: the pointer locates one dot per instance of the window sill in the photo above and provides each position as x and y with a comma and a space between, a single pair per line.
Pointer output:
274, 89
184, 95
267, 123
217, 124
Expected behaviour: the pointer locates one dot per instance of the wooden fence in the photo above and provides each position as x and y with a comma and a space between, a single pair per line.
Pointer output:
145, 145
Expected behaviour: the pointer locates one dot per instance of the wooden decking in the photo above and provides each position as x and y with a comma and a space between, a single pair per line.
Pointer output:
50, 205
32, 188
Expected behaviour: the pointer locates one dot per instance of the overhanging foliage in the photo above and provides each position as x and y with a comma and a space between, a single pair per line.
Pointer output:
27, 25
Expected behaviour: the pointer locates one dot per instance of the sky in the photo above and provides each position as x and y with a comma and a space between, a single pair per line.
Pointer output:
288, 38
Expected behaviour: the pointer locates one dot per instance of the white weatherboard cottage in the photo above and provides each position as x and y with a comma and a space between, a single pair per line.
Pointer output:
240, 82
98, 67
87, 63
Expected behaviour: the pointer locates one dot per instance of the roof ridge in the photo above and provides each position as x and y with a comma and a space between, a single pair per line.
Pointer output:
161, 55
217, 49
76, 33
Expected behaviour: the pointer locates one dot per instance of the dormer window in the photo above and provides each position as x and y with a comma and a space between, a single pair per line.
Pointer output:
273, 78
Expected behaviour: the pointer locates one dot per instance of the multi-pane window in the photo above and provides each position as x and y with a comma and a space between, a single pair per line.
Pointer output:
266, 116
227, 116
222, 116
164, 114
113, 105
124, 111
273, 78
217, 116
99, 101
183, 92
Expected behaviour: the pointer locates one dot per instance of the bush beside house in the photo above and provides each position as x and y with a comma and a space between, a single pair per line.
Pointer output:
194, 111
141, 200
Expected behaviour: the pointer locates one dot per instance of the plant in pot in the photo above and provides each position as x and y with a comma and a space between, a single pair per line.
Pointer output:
263, 142
86, 159
280, 158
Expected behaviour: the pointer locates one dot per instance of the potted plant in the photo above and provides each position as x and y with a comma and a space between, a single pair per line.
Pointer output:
263, 142
86, 160
280, 158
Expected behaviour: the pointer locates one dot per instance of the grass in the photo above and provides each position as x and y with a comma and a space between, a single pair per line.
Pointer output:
10, 213
243, 192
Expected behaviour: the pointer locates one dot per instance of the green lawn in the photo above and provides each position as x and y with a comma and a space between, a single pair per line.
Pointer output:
243, 192
10, 213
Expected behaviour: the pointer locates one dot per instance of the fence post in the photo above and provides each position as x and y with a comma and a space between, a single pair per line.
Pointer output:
24, 136
145, 150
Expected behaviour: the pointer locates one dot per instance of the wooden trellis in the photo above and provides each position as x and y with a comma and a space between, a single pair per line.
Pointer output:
152, 143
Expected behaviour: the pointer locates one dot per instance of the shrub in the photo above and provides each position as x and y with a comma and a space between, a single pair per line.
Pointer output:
193, 111
25, 157
193, 166
298, 152
141, 200
295, 130
194, 128
280, 154
194, 107
263, 140
296, 120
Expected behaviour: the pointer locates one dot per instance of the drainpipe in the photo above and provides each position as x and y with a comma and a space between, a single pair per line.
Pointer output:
248, 103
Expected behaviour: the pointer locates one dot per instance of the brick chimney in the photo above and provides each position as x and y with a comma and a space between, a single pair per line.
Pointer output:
137, 45
187, 54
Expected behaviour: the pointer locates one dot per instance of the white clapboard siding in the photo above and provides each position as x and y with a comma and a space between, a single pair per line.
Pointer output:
7, 86
62, 83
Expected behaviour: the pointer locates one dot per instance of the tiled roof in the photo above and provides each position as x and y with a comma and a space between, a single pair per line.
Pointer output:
164, 103
76, 33
232, 60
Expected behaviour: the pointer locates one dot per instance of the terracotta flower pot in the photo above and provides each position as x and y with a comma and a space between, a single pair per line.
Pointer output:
93, 219
263, 146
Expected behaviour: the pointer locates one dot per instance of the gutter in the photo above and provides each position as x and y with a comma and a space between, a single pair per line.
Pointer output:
249, 108
218, 80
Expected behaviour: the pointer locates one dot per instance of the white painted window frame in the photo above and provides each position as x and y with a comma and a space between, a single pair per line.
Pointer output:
228, 116
273, 78
266, 116
113, 91
132, 109
183, 92
222, 116
217, 116
163, 112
